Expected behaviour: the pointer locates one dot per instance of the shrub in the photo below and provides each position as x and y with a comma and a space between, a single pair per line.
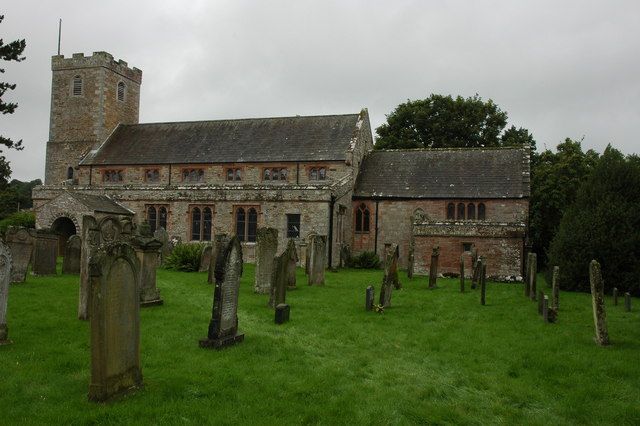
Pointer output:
365, 260
22, 218
603, 225
185, 257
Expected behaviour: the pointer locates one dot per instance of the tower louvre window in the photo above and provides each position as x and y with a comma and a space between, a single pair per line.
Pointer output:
77, 86
121, 91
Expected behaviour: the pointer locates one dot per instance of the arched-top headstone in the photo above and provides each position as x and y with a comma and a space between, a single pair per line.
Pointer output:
115, 321
223, 327
292, 255
72, 251
266, 250
5, 278
317, 259
20, 241
45, 253
161, 234
205, 258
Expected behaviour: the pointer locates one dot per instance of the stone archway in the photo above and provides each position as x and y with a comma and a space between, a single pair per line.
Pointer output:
64, 227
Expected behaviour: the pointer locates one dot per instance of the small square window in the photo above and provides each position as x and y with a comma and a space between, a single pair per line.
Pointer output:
466, 246
293, 225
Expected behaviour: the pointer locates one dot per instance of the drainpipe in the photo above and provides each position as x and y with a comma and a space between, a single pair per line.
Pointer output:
90, 174
297, 173
330, 237
375, 241
169, 175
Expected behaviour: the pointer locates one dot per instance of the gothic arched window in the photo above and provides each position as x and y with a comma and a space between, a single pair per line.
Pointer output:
252, 226
162, 217
363, 217
196, 221
206, 224
240, 223
460, 215
471, 211
76, 87
451, 211
481, 211
70, 173
121, 91
151, 218
322, 173
313, 175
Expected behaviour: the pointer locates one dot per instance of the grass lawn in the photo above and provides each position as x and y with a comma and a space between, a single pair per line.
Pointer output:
436, 356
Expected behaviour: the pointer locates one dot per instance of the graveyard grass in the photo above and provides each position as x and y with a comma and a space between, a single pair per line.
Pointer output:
435, 356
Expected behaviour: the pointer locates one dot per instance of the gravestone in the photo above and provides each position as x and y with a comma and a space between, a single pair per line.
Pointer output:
20, 241
266, 250
627, 302
45, 253
162, 235
433, 268
279, 279
615, 296
391, 266
540, 301
282, 313
223, 327
292, 255
218, 244
94, 234
462, 273
307, 257
5, 279
345, 255
545, 308
71, 261
115, 321
205, 258
533, 270
483, 283
369, 298
317, 259
475, 271
411, 262
597, 298
555, 289
147, 250
525, 275
304, 255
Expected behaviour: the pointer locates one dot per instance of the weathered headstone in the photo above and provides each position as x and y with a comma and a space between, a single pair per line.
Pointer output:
20, 241
369, 298
162, 235
525, 277
304, 255
545, 308
475, 271
615, 296
555, 289
597, 298
307, 255
433, 268
390, 277
293, 261
205, 258
279, 279
266, 250
627, 302
410, 262
317, 259
147, 250
282, 313
540, 301
45, 253
115, 321
533, 271
218, 244
5, 279
71, 261
223, 327
345, 255
483, 283
462, 273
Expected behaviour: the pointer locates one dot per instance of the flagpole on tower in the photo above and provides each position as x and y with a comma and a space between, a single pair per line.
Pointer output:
59, 34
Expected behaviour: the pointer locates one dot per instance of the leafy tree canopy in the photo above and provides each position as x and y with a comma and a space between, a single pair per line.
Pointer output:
442, 121
602, 224
555, 179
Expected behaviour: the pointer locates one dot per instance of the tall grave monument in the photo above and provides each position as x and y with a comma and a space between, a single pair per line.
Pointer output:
266, 249
45, 253
5, 278
317, 259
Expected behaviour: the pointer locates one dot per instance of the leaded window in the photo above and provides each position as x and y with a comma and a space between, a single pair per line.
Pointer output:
363, 217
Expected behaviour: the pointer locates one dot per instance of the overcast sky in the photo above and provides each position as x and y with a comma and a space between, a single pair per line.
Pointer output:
558, 68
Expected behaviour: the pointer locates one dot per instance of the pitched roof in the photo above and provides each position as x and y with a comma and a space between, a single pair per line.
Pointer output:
314, 138
100, 203
445, 173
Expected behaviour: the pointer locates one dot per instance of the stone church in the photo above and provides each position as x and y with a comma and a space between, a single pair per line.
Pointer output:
300, 175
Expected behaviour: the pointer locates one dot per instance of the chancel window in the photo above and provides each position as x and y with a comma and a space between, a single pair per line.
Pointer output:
152, 175
234, 174
275, 173
76, 86
112, 176
363, 217
121, 91
201, 223
293, 225
451, 211
481, 211
246, 223
157, 216
193, 175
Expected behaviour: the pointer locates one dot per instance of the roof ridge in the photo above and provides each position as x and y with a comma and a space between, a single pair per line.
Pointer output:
472, 148
240, 119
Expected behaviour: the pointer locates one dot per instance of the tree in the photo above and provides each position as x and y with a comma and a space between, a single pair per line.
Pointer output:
555, 179
441, 121
602, 224
8, 52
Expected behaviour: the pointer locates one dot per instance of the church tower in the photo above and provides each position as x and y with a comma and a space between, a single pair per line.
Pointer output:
90, 96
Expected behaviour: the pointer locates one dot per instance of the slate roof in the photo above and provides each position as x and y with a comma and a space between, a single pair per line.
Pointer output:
313, 138
445, 173
100, 203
